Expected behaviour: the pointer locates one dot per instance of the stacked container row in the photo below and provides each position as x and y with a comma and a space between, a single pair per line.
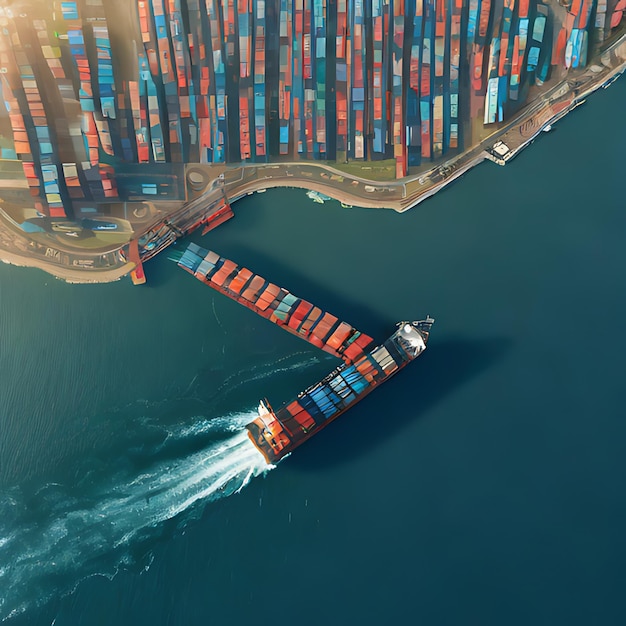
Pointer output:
276, 304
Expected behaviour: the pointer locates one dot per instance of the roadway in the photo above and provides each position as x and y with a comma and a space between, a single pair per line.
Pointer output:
236, 182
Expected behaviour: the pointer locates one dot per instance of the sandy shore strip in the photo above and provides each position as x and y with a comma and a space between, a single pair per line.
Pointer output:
69, 275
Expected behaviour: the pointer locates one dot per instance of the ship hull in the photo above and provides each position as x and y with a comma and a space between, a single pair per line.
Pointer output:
255, 432
277, 433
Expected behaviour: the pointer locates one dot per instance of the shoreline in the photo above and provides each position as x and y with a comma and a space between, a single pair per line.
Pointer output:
398, 195
67, 274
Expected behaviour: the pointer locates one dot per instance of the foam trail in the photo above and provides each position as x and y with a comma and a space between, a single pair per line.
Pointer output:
151, 499
70, 537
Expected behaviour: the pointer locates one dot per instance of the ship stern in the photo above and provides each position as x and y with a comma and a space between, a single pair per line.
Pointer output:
268, 435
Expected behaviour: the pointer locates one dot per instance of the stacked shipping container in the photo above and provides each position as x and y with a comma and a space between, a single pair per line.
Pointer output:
363, 369
278, 305
380, 77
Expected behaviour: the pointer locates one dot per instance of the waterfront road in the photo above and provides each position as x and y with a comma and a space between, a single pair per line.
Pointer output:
224, 185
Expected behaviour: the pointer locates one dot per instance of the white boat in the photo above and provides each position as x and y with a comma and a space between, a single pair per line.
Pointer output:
318, 197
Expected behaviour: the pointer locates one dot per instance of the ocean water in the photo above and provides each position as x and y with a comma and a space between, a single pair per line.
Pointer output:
483, 485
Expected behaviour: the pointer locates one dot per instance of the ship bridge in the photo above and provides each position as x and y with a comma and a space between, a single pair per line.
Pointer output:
412, 336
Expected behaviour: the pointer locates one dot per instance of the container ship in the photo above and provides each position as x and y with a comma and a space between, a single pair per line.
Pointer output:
259, 81
342, 78
425, 82
360, 86
319, 93
397, 112
379, 113
413, 130
365, 365
277, 433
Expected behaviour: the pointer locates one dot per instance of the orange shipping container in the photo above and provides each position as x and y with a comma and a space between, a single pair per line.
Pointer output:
240, 280
310, 320
340, 335
256, 284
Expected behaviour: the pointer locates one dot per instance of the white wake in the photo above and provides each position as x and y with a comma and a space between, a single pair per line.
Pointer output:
71, 537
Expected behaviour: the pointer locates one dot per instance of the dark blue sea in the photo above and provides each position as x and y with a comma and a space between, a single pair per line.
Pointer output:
483, 485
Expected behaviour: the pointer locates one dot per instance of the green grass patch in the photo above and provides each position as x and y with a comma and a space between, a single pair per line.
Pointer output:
99, 240
373, 170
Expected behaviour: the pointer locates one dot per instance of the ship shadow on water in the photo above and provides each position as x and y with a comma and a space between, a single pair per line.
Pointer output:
446, 366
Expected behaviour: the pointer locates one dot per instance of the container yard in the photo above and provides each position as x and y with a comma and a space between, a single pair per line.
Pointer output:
108, 106
365, 366
248, 81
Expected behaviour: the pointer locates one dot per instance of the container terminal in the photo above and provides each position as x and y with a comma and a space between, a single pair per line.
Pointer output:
365, 365
120, 118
